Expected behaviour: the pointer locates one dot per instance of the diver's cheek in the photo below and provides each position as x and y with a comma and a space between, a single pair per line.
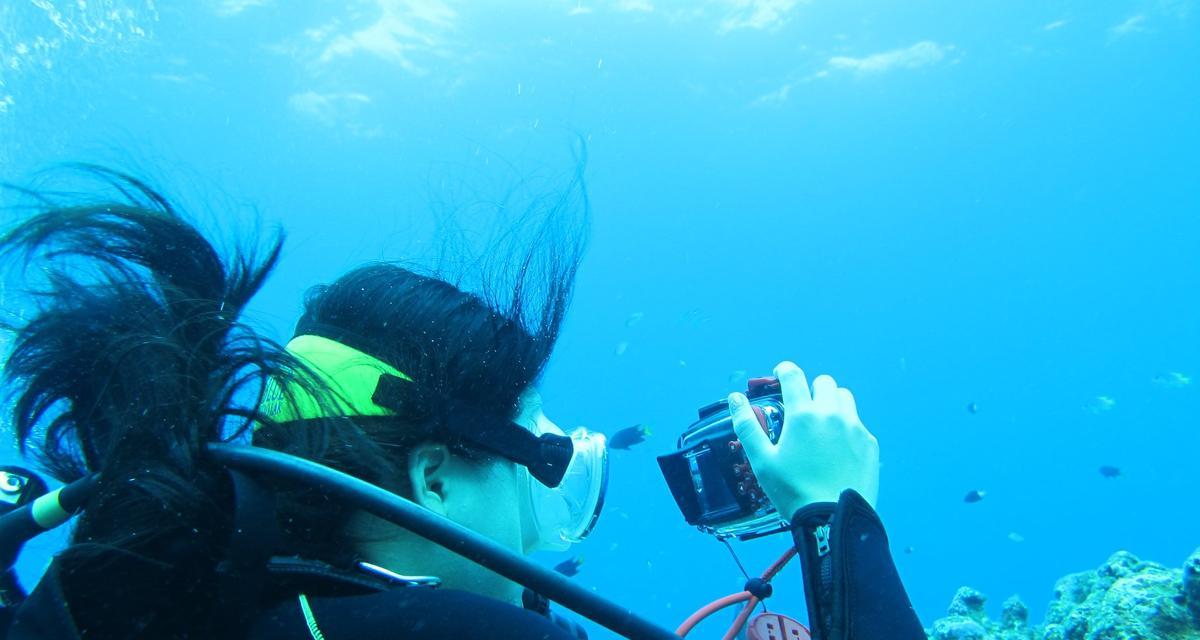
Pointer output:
516, 506
498, 511
530, 536
529, 533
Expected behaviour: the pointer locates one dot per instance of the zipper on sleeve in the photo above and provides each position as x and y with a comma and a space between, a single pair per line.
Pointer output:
823, 548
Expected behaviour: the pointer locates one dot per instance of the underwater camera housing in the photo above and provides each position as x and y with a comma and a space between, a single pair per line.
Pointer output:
710, 477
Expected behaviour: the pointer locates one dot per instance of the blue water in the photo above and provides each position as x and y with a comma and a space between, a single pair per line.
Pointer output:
938, 202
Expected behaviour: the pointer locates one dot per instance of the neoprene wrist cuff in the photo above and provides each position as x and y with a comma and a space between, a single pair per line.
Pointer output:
850, 581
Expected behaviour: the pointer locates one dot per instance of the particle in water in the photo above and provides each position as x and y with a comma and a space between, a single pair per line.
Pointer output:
1100, 404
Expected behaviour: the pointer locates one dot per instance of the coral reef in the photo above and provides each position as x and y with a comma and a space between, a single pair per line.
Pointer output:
1123, 599
967, 620
1191, 586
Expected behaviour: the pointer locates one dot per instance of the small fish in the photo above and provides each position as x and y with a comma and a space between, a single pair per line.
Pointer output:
975, 495
1099, 405
1013, 536
634, 318
1109, 471
621, 349
695, 318
1172, 380
629, 436
973, 407
909, 549
570, 567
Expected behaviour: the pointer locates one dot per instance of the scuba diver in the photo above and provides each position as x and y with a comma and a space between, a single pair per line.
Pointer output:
382, 474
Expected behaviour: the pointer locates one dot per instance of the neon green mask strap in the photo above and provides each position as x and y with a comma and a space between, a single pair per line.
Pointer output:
350, 374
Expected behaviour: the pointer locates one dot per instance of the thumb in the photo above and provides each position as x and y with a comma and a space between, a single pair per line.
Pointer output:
749, 432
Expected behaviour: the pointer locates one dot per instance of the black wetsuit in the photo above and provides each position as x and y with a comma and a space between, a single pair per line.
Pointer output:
852, 588
411, 612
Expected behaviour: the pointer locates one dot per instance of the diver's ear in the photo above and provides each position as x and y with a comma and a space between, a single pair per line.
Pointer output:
428, 471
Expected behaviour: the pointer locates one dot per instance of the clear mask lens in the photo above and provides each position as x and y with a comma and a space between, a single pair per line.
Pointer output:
565, 514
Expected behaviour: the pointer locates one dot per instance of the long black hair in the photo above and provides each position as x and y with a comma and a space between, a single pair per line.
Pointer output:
482, 349
134, 357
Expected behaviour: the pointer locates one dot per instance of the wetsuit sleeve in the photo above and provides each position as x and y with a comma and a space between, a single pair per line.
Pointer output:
412, 614
850, 581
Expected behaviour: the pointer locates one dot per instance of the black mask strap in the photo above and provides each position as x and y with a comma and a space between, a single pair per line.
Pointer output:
546, 456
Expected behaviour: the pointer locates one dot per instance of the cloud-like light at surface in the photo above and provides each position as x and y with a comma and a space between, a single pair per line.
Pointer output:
774, 98
403, 28
924, 53
1132, 24
635, 5
179, 78
229, 8
1057, 24
755, 14
51, 29
920, 54
326, 108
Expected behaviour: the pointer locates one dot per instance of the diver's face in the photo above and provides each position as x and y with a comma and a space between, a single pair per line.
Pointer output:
487, 499
491, 499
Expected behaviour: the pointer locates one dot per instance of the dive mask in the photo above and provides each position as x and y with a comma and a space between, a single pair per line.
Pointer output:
710, 477
565, 514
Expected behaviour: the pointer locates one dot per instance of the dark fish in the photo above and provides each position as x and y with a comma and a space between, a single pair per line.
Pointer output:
569, 567
1173, 380
1110, 472
909, 549
975, 495
629, 436
973, 407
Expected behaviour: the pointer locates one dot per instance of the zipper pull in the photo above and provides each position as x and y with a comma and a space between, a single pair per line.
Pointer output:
392, 576
822, 535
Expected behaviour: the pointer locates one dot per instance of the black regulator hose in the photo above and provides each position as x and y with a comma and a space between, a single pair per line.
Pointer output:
52, 509
444, 532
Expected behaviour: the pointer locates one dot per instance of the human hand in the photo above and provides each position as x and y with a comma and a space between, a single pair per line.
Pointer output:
823, 447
